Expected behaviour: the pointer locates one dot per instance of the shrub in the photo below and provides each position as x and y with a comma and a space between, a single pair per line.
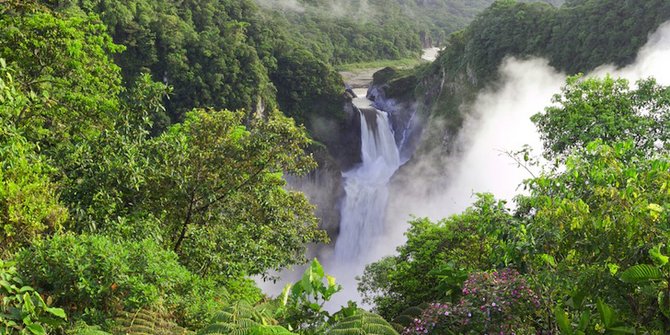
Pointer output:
92, 276
493, 303
22, 309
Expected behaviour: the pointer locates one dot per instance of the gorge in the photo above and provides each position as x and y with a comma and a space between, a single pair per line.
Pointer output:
379, 200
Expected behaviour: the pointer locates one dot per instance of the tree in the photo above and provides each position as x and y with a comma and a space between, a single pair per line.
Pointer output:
211, 189
220, 193
62, 65
601, 212
590, 108
95, 277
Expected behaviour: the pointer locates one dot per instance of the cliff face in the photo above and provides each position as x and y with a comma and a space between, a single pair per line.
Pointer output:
323, 187
337, 150
342, 136
403, 117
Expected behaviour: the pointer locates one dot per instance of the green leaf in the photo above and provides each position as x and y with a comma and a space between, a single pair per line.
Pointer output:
59, 312
285, 294
656, 255
314, 306
5, 284
613, 268
664, 303
331, 280
621, 330
548, 259
607, 315
563, 321
316, 268
36, 329
28, 305
641, 273
584, 321
655, 208
26, 289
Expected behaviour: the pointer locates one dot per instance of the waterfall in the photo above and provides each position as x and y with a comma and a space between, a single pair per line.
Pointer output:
366, 187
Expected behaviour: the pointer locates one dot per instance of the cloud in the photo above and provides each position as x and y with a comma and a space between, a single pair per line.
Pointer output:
282, 5
498, 121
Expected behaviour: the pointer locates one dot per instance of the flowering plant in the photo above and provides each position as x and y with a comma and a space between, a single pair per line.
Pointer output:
500, 302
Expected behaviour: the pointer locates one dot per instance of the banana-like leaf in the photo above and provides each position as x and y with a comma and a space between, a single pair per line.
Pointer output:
641, 273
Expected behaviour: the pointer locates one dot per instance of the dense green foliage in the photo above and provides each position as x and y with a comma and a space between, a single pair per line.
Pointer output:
110, 214
29, 205
91, 276
110, 210
438, 256
351, 31
237, 55
62, 68
220, 54
207, 189
568, 37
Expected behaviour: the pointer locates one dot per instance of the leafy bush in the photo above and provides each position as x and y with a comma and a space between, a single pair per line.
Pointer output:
435, 261
92, 276
302, 302
22, 309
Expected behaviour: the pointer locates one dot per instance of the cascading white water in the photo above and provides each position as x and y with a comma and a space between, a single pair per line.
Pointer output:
366, 187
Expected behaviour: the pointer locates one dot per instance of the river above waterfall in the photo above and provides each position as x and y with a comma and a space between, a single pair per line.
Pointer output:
430, 54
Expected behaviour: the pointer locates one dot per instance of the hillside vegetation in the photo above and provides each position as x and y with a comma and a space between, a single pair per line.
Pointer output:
353, 31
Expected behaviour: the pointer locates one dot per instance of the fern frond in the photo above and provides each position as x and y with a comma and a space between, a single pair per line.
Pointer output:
270, 330
84, 329
217, 328
247, 323
223, 317
378, 329
363, 323
241, 331
349, 331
